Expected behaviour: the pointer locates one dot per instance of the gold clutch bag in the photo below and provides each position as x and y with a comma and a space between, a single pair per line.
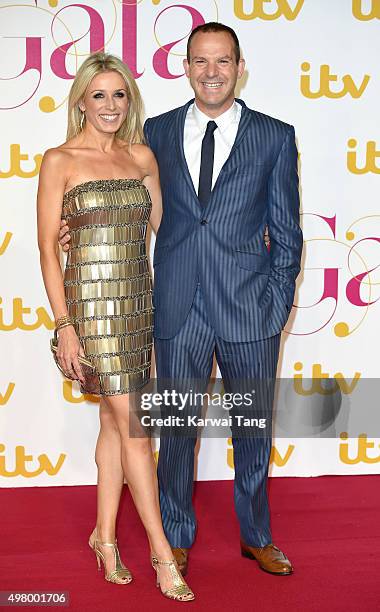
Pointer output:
92, 382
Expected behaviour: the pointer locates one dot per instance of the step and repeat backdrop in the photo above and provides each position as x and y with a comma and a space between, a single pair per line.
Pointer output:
311, 63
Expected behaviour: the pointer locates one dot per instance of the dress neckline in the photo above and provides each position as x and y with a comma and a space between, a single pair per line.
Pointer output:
97, 183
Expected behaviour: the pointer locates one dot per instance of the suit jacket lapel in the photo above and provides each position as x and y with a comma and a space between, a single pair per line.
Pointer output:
245, 120
179, 131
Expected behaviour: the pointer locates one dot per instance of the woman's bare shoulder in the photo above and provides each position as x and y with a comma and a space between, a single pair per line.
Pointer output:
136, 150
57, 154
61, 156
142, 150
56, 165
144, 157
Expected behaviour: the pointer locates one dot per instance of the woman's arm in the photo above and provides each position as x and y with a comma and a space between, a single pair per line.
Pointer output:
49, 206
152, 182
147, 162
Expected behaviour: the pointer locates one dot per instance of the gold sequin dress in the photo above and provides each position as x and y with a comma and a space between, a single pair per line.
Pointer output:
107, 281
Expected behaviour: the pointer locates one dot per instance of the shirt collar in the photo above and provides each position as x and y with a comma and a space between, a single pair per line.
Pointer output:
223, 121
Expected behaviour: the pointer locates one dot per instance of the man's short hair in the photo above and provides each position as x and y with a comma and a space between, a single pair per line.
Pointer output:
213, 26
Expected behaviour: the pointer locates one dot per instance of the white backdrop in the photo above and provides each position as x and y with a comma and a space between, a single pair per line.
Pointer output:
311, 63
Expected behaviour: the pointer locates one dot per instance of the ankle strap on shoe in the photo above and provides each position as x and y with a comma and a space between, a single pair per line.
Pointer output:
156, 561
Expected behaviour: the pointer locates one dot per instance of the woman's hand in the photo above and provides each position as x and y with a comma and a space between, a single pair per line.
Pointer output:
64, 236
69, 348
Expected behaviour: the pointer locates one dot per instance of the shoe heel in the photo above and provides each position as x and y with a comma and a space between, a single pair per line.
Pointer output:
179, 589
247, 554
99, 563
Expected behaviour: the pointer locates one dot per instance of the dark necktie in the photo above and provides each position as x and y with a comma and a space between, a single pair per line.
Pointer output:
207, 164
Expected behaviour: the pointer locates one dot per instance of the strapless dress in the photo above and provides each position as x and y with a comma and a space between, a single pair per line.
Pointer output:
107, 280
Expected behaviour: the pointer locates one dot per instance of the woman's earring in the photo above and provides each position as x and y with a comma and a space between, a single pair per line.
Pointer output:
82, 120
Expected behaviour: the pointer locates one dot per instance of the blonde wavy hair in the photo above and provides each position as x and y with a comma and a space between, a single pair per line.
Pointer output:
131, 130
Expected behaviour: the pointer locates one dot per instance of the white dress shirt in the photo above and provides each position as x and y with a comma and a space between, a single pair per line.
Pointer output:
195, 127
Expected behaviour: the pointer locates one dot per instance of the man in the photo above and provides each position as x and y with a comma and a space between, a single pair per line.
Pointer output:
226, 173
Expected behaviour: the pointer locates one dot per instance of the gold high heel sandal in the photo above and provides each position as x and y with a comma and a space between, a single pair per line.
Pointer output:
121, 574
179, 591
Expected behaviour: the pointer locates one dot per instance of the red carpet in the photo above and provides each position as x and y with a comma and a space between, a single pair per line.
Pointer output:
328, 526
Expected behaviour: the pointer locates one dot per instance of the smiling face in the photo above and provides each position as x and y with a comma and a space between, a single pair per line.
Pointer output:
213, 71
106, 102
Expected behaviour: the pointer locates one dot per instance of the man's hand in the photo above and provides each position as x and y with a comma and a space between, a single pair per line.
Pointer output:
267, 238
64, 236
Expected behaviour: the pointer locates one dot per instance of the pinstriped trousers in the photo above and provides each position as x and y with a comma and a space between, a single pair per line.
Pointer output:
189, 355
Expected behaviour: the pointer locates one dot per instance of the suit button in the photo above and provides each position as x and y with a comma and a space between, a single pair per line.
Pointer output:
204, 222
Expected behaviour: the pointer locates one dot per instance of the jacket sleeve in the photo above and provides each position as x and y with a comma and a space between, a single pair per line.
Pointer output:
283, 220
147, 132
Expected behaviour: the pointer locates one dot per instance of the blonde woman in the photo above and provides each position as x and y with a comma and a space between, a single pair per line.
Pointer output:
104, 181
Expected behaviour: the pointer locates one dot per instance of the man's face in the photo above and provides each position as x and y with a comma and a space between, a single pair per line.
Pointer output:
213, 71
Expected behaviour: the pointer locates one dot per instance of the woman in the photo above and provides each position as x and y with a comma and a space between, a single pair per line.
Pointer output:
105, 183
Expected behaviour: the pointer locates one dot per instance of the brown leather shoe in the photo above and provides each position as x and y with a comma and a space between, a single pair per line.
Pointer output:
181, 555
270, 558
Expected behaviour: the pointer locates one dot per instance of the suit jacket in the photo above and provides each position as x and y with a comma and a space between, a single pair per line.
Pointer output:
248, 291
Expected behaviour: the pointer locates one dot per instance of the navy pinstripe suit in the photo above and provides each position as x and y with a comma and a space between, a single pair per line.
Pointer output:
218, 289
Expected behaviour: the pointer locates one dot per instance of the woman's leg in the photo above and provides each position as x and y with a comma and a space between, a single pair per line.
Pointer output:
110, 482
110, 474
140, 472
